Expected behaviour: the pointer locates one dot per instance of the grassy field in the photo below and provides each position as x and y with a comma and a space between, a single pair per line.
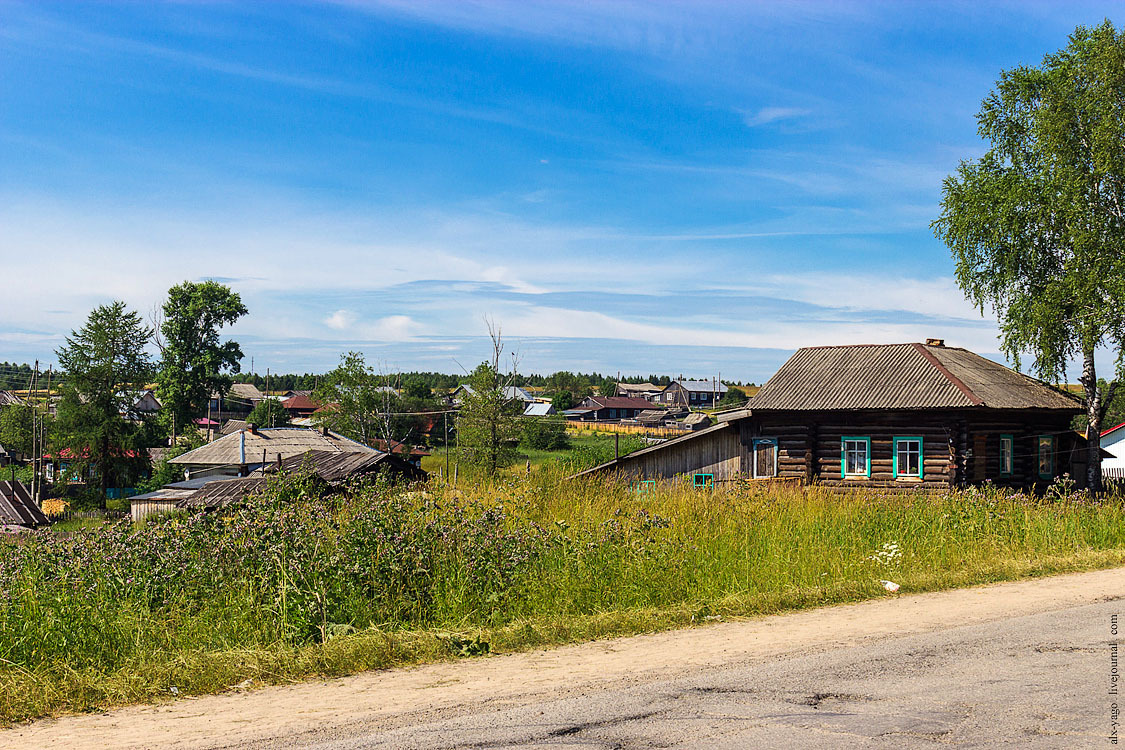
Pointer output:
290, 587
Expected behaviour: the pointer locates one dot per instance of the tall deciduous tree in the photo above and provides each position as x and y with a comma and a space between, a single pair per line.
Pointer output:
1037, 224
105, 362
194, 362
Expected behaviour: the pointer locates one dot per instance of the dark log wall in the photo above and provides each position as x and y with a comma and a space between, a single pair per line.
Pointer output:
948, 440
809, 447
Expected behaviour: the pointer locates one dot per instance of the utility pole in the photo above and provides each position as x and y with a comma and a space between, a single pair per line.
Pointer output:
445, 425
31, 391
269, 406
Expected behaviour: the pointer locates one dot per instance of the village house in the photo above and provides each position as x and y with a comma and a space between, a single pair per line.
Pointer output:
300, 406
697, 394
1113, 444
637, 390
607, 409
239, 453
902, 416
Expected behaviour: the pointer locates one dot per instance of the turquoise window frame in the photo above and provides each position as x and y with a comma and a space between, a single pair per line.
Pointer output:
645, 486
1011, 455
921, 455
754, 456
707, 483
844, 455
1050, 473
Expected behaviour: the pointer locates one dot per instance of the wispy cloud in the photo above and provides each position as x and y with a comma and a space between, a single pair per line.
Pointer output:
767, 115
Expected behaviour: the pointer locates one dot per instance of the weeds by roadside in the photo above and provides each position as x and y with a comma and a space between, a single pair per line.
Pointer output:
289, 586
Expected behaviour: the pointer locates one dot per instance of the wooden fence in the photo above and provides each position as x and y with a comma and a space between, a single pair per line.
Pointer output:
73, 515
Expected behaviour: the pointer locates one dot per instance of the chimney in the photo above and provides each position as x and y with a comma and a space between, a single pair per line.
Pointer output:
253, 428
242, 446
935, 342
324, 431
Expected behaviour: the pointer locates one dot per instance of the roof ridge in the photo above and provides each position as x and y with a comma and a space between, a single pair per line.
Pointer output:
929, 357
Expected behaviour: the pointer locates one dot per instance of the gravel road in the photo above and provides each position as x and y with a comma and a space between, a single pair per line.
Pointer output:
1024, 664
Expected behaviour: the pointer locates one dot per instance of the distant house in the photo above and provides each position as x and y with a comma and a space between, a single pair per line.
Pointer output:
638, 390
18, 508
239, 453
539, 409
299, 406
702, 394
139, 403
899, 416
511, 393
608, 408
1113, 442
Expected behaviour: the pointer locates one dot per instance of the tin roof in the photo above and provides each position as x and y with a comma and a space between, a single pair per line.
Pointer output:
901, 376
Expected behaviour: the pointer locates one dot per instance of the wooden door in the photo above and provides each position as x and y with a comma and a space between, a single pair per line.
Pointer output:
765, 458
980, 458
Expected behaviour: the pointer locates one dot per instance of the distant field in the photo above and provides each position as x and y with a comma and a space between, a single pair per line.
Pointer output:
291, 587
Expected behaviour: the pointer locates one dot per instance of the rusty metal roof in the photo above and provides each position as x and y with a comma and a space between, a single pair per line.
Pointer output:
901, 376
17, 508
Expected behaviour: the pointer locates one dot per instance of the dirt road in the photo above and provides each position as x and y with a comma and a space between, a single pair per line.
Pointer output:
478, 700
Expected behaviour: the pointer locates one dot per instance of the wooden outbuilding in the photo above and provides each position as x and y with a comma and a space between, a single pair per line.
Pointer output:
901, 416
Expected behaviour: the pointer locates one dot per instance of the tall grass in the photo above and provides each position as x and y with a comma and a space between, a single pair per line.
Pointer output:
291, 585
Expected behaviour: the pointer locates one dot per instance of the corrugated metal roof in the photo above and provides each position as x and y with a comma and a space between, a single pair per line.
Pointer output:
700, 386
16, 506
286, 441
900, 376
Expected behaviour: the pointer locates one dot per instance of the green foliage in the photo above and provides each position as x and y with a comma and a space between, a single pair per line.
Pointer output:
562, 400
164, 472
366, 406
15, 376
734, 396
269, 413
294, 584
544, 433
1036, 225
601, 448
487, 424
16, 427
194, 362
96, 421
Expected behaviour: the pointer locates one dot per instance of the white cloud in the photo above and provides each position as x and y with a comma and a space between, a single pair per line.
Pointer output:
766, 115
341, 320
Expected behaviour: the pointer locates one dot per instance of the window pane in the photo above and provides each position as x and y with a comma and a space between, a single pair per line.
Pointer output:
855, 456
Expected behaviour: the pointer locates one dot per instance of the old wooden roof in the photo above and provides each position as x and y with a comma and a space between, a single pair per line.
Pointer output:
16, 506
901, 376
286, 441
223, 492
336, 467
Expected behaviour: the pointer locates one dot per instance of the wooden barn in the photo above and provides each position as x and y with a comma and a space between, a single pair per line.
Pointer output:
900, 416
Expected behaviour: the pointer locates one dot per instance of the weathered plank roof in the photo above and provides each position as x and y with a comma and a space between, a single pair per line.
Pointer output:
223, 492
286, 441
16, 506
901, 376
336, 467
7, 398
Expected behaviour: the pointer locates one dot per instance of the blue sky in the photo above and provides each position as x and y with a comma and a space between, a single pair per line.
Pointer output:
645, 187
